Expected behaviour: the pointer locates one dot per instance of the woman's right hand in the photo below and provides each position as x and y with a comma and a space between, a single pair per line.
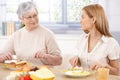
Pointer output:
4, 57
74, 61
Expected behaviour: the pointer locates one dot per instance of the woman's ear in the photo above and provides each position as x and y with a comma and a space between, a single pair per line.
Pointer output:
93, 20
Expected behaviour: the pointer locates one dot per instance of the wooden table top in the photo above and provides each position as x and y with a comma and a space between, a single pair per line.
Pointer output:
58, 75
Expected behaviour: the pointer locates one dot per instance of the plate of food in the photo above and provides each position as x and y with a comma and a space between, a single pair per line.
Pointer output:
14, 65
77, 72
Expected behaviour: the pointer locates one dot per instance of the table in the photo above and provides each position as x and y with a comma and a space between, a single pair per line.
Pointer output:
58, 75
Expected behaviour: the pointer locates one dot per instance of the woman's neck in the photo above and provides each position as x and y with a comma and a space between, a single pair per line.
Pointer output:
94, 38
31, 28
94, 34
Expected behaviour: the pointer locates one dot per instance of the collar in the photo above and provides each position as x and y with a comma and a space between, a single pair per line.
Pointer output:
104, 38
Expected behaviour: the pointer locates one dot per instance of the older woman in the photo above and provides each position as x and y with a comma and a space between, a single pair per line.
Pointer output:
97, 48
33, 43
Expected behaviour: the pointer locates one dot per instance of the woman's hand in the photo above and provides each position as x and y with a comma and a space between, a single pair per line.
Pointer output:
40, 54
4, 57
49, 59
113, 66
74, 61
99, 65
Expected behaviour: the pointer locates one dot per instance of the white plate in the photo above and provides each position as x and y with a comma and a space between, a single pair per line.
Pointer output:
77, 73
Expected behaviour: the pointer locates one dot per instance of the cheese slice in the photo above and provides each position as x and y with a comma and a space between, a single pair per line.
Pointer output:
42, 74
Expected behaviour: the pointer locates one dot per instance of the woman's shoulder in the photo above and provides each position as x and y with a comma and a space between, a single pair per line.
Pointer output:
112, 43
45, 30
112, 40
17, 32
112, 48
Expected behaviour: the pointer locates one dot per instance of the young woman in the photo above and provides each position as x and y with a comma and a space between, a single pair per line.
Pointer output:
97, 48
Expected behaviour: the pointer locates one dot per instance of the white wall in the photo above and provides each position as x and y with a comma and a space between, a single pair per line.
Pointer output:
113, 13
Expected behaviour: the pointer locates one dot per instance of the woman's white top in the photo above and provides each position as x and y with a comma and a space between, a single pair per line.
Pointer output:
106, 49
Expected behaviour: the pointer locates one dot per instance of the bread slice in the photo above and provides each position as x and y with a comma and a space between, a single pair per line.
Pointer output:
20, 63
42, 74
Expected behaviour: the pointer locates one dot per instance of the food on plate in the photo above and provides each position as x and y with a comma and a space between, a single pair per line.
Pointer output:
29, 67
22, 74
42, 74
34, 69
77, 72
76, 68
26, 77
21, 63
18, 76
11, 64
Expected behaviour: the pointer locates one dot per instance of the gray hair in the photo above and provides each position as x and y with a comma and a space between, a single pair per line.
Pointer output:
25, 7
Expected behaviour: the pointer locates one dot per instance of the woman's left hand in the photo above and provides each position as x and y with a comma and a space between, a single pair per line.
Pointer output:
99, 65
40, 54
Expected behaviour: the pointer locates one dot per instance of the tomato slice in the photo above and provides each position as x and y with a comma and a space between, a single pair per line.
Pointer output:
27, 77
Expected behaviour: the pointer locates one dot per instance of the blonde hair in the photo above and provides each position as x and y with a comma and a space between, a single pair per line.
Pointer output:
101, 23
